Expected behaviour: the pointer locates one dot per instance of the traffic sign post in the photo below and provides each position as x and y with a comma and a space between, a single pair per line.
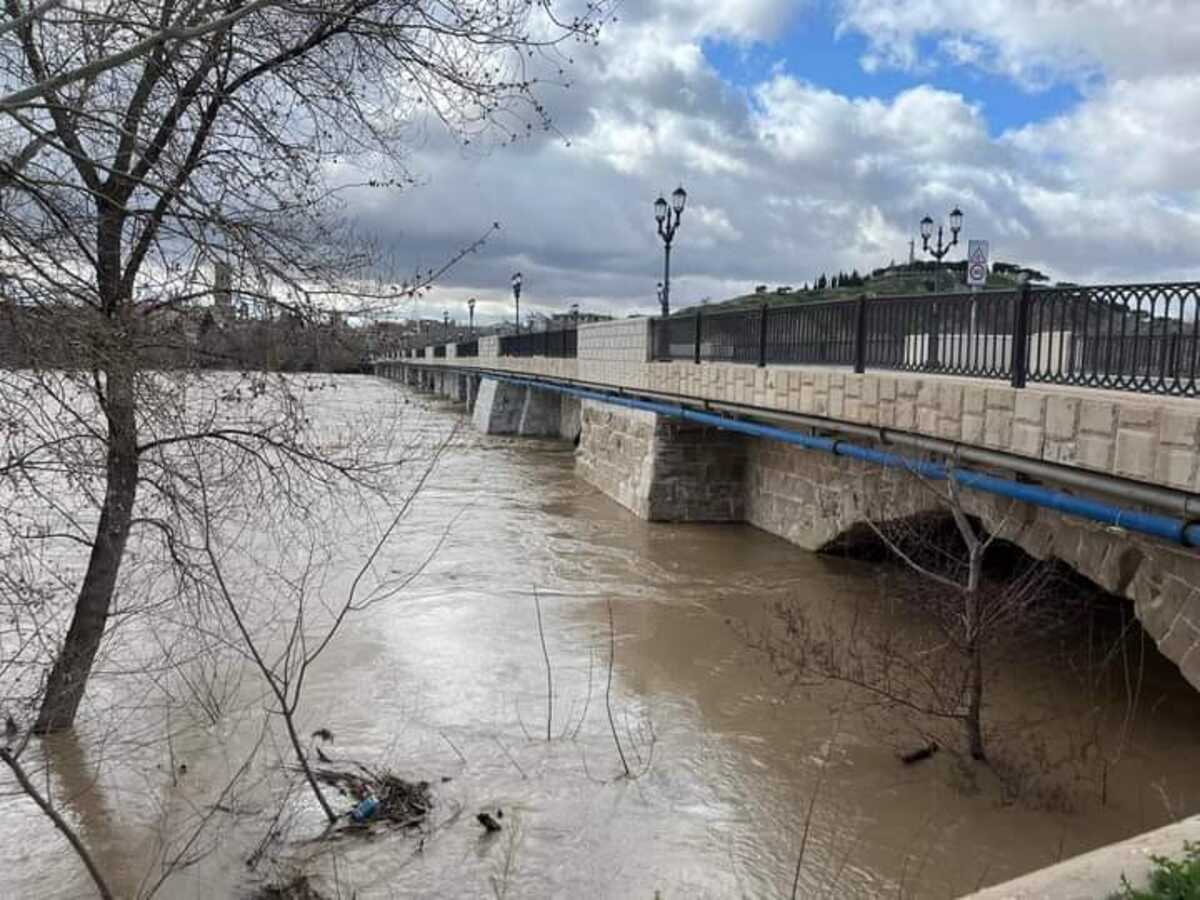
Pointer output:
977, 263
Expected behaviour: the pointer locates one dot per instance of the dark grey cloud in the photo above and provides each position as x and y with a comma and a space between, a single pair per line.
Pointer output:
790, 179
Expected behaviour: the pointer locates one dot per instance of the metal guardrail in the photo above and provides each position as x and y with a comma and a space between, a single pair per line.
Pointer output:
1124, 337
561, 344
466, 348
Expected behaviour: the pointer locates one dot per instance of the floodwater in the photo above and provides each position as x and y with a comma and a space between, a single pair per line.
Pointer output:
446, 682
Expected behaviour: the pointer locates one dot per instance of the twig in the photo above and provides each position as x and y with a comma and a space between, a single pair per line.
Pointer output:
588, 699
446, 738
612, 650
511, 759
59, 822
537, 605
812, 802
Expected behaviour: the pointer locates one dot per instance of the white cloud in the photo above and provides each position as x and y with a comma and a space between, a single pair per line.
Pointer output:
1135, 135
1032, 40
790, 178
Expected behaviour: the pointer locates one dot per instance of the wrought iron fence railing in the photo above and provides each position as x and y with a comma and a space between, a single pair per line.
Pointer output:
1125, 337
560, 344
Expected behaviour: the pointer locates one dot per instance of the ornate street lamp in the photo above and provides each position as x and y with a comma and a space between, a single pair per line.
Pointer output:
516, 286
666, 230
471, 315
933, 351
942, 248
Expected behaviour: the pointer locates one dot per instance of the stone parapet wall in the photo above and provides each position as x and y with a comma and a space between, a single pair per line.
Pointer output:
489, 347
609, 351
1150, 439
625, 340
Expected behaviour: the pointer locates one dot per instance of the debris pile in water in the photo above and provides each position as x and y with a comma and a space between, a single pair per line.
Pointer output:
298, 888
403, 804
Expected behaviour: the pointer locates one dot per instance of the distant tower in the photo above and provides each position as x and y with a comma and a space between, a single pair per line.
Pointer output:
912, 252
223, 289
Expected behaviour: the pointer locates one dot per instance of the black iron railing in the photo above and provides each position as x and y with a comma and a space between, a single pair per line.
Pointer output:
420, 353
562, 344
439, 351
466, 348
1130, 337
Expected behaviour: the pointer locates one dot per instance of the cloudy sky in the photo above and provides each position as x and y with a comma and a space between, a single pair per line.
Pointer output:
812, 135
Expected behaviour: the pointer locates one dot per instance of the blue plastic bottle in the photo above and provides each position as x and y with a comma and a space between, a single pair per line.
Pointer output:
365, 809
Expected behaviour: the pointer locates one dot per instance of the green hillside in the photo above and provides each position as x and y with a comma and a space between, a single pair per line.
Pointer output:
890, 282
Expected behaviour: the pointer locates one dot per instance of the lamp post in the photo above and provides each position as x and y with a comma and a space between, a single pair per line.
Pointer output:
516, 286
471, 315
933, 351
575, 315
942, 248
666, 230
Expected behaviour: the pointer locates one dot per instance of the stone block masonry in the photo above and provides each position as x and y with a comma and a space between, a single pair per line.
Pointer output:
498, 407
541, 414
663, 470
666, 470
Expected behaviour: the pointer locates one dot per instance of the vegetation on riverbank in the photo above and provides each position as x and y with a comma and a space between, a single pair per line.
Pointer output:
1170, 879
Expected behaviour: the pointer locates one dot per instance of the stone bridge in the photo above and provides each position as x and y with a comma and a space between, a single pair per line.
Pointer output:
712, 441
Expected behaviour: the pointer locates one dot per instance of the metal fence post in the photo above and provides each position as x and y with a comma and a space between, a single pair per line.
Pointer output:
696, 349
1020, 348
860, 336
762, 336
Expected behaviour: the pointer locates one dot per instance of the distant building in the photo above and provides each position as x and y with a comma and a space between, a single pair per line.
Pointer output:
223, 290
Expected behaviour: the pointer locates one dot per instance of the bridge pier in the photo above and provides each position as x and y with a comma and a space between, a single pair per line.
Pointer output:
662, 469
541, 414
501, 407
570, 425
472, 391
498, 407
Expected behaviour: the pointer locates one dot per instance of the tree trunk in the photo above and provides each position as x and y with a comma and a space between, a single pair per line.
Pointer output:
974, 721
69, 676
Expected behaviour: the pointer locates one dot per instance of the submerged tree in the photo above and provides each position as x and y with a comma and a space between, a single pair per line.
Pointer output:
932, 666
151, 148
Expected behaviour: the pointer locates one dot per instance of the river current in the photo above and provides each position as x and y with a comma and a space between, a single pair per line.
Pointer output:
734, 768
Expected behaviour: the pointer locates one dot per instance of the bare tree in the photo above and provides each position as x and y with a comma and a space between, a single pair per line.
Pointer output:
297, 631
147, 149
933, 667
150, 146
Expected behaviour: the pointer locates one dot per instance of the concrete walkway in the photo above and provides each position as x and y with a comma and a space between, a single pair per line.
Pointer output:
1097, 875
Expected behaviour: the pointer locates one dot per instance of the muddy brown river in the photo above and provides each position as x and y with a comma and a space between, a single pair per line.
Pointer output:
447, 681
